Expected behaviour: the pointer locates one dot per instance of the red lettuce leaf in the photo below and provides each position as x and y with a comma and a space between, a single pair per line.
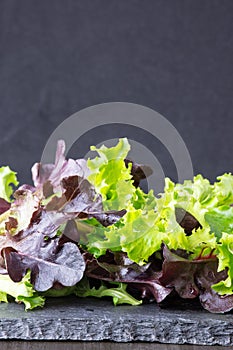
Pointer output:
49, 265
138, 171
210, 299
80, 199
45, 174
186, 220
4, 206
142, 281
178, 273
39, 249
194, 278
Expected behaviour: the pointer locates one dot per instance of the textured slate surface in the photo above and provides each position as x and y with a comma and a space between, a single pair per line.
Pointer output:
97, 320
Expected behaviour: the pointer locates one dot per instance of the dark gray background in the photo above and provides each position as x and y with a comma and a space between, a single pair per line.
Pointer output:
175, 56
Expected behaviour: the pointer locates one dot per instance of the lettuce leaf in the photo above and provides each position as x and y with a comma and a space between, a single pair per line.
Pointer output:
98, 206
151, 221
22, 292
220, 220
110, 176
7, 179
225, 257
117, 191
119, 294
18, 217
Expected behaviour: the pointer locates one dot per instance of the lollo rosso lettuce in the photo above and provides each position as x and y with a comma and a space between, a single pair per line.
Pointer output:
87, 228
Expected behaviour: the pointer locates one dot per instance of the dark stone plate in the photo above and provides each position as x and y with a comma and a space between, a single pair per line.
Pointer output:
90, 319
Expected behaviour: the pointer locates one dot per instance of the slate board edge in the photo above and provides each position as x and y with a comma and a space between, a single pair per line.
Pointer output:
97, 320
163, 331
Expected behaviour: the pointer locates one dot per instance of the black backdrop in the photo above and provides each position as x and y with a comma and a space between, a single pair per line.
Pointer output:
175, 56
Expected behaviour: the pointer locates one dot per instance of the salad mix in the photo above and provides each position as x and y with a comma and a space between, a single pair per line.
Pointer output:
87, 228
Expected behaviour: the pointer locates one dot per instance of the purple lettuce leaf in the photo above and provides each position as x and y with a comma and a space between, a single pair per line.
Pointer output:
47, 175
4, 206
209, 299
50, 265
194, 278
52, 260
138, 171
39, 250
186, 220
80, 200
178, 273
174, 275
142, 281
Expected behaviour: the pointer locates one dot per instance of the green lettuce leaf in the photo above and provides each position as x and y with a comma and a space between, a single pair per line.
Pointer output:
110, 176
113, 180
7, 179
22, 292
119, 294
151, 221
61, 292
220, 220
225, 257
